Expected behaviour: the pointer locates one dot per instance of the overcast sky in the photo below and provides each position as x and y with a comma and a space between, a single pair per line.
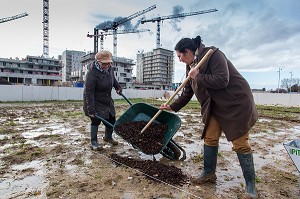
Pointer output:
258, 36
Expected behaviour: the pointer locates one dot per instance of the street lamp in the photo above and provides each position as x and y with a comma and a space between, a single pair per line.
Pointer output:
279, 77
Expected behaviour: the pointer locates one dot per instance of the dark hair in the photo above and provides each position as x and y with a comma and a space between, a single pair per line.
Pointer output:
188, 43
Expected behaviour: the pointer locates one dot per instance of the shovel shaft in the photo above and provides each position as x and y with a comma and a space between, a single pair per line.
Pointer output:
179, 88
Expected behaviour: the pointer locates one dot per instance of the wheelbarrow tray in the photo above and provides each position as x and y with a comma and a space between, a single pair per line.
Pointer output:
145, 112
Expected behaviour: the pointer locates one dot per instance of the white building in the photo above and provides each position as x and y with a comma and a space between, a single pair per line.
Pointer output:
156, 68
70, 63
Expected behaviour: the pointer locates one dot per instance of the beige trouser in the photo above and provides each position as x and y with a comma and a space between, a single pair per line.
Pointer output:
213, 134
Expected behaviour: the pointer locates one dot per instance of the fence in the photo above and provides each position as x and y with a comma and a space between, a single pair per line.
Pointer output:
9, 93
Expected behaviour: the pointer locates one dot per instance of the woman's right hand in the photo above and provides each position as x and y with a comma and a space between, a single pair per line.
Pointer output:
165, 107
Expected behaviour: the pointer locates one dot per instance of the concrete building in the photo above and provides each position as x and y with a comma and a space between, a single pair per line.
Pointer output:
155, 69
32, 70
122, 67
70, 63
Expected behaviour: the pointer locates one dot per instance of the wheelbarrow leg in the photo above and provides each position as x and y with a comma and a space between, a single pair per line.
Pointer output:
173, 151
108, 136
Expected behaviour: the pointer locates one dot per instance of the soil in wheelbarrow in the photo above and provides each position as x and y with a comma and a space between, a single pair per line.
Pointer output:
153, 170
150, 141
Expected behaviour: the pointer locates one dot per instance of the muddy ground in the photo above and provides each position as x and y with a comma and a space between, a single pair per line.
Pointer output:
44, 153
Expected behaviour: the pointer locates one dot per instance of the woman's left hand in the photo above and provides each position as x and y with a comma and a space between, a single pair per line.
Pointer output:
193, 73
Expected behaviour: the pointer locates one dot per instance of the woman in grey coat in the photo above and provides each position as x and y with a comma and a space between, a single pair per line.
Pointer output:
97, 98
227, 105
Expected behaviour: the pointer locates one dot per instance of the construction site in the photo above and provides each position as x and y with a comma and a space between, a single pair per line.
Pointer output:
154, 70
45, 136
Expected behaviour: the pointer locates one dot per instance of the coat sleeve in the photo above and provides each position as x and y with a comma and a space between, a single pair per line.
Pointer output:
89, 94
184, 98
218, 77
116, 84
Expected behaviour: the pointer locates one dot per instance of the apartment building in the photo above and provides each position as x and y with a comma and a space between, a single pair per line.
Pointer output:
32, 70
71, 64
122, 68
156, 69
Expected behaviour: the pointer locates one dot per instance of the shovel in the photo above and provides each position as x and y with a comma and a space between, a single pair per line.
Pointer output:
179, 88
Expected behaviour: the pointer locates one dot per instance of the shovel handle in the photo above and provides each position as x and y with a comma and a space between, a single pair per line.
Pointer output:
179, 88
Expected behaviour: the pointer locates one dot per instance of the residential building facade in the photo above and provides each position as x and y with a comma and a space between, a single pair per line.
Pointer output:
70, 60
156, 68
32, 70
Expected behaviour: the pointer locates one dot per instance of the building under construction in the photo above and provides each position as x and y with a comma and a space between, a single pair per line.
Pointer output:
155, 69
33, 70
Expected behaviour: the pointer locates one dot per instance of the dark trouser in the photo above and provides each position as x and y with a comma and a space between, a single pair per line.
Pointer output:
96, 122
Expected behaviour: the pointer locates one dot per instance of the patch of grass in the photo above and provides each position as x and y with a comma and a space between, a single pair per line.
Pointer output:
23, 154
279, 112
7, 130
197, 158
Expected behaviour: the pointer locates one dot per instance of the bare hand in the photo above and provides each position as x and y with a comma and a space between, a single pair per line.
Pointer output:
193, 73
165, 107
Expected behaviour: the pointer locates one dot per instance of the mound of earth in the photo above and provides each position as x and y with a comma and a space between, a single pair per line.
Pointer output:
153, 170
149, 142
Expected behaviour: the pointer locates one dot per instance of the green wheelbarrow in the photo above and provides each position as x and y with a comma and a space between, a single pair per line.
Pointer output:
144, 112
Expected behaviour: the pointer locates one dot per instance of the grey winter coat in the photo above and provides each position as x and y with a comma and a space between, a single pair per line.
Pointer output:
223, 92
97, 92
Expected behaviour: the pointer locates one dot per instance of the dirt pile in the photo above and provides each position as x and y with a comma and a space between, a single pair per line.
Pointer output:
149, 142
153, 170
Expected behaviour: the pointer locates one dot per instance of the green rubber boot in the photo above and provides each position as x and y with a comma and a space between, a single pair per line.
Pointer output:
94, 142
247, 165
208, 174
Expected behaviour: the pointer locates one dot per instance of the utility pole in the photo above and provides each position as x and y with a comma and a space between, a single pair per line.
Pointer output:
291, 81
279, 77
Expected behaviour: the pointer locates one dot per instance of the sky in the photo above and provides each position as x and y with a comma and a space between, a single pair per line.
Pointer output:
260, 37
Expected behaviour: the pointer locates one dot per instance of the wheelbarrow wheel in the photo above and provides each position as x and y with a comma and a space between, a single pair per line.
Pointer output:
171, 151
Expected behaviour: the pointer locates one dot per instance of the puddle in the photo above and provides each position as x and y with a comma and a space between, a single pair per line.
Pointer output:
21, 183
51, 129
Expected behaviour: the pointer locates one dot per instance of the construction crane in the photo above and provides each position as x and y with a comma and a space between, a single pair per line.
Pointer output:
102, 34
159, 19
114, 26
6, 19
46, 28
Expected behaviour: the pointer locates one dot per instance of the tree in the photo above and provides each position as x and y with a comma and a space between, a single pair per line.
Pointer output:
290, 83
295, 88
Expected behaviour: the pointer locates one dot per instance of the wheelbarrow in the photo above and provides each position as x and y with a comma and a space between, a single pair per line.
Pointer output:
144, 112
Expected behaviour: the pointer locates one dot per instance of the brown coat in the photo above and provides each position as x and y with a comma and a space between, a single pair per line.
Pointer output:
223, 92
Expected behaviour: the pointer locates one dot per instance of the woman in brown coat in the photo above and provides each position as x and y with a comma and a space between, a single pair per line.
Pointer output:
226, 105
100, 80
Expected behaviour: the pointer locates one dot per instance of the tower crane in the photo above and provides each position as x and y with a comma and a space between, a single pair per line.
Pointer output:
6, 19
114, 26
46, 28
102, 34
159, 19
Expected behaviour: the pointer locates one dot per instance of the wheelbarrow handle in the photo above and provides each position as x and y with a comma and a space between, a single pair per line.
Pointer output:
200, 63
104, 121
125, 98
